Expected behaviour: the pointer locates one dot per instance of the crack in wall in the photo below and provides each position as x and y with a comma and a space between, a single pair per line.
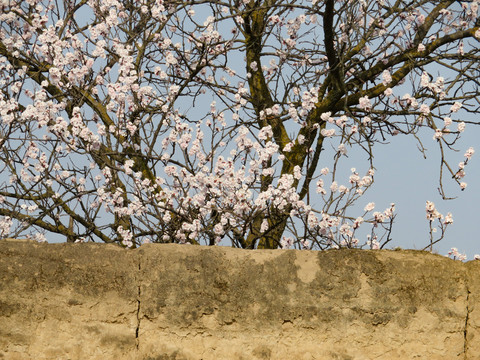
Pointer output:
465, 330
137, 339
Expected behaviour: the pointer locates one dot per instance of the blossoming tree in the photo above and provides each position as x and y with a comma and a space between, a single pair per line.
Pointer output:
222, 121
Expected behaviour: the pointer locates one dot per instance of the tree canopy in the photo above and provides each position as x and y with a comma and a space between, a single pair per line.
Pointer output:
210, 122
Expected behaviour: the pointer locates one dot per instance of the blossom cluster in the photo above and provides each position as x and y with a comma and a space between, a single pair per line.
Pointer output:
139, 117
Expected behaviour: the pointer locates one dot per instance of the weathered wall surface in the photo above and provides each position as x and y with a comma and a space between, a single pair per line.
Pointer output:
96, 301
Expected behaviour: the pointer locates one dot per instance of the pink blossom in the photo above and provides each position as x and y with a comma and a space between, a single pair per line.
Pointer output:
358, 221
456, 254
341, 121
369, 207
364, 103
438, 134
425, 80
373, 243
469, 153
342, 149
265, 133
170, 170
297, 172
288, 147
128, 166
312, 220
425, 109
264, 226
379, 217
5, 226
286, 242
430, 206
334, 187
432, 212
455, 107
326, 116
320, 189
327, 133
389, 212
387, 77
448, 219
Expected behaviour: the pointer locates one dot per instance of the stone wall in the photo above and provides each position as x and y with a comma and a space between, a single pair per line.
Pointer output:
97, 301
